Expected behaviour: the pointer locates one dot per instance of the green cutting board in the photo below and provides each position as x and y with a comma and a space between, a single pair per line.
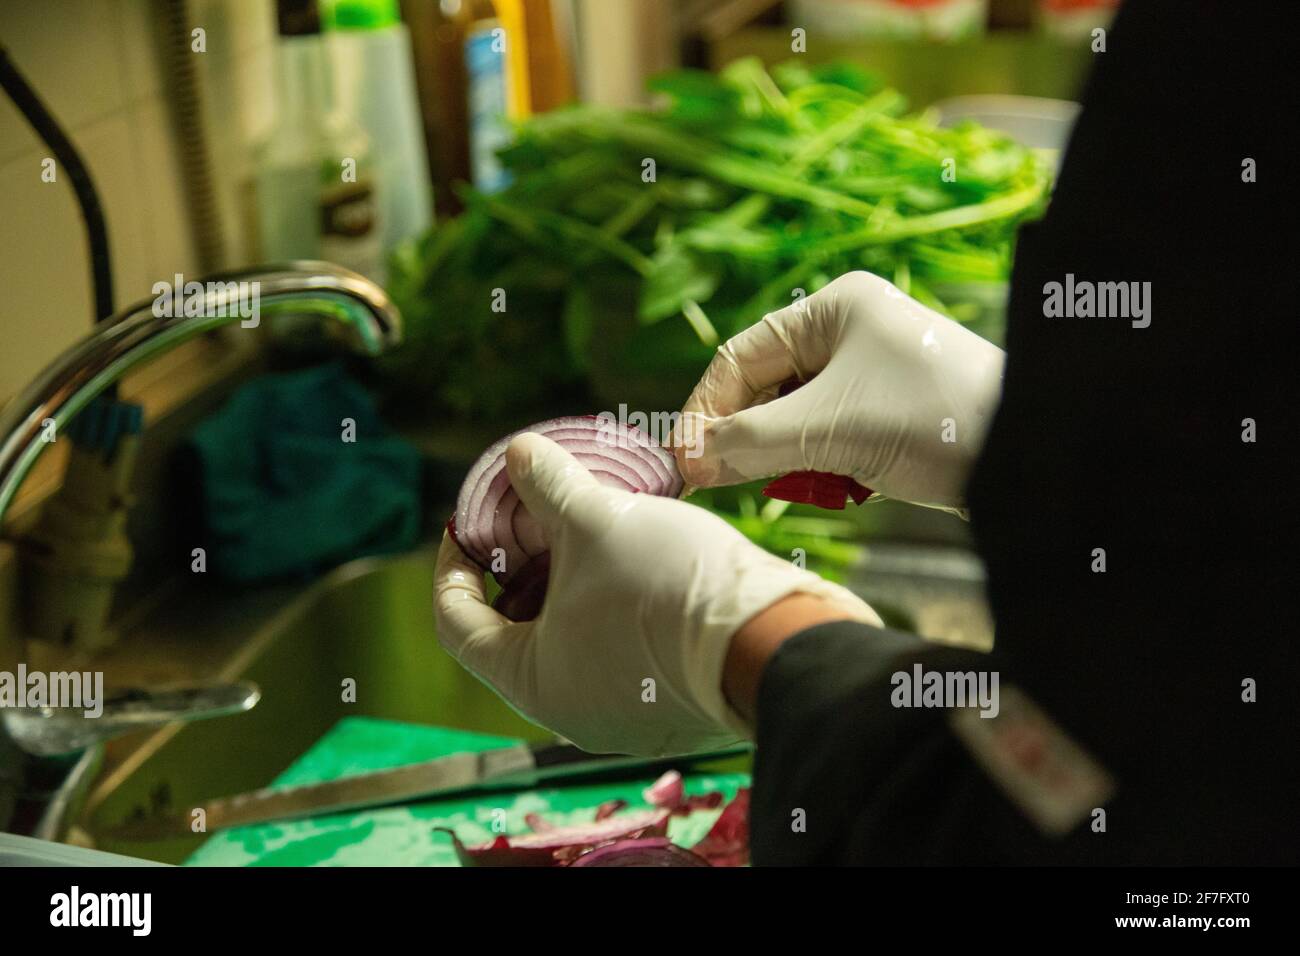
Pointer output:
404, 835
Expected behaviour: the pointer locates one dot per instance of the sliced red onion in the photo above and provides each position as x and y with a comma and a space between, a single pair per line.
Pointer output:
727, 843
609, 808
698, 801
489, 514
820, 488
556, 846
537, 823
669, 791
522, 600
647, 851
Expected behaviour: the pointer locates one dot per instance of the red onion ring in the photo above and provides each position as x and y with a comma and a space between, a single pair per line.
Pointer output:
668, 792
556, 846
648, 851
609, 808
522, 600
489, 514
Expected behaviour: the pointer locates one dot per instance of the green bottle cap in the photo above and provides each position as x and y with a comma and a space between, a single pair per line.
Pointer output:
360, 14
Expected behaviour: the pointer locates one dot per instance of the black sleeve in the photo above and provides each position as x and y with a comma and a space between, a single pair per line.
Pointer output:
841, 776
1137, 527
1120, 441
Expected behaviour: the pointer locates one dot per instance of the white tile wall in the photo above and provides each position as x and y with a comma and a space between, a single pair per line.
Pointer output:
98, 66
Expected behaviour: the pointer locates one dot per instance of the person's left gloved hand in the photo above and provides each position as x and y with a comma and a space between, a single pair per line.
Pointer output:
645, 594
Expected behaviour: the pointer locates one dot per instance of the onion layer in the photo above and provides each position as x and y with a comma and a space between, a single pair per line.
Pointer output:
727, 842
647, 851
495, 530
635, 838
820, 488
558, 846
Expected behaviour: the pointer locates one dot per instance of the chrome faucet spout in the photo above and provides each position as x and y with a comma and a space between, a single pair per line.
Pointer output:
144, 330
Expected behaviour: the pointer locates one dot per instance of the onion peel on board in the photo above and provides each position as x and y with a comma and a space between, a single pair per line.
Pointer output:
669, 793
643, 852
557, 846
636, 838
609, 808
727, 842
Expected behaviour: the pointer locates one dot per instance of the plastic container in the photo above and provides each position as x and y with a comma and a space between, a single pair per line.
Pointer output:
1073, 21
374, 86
1043, 125
943, 20
1034, 121
485, 68
315, 177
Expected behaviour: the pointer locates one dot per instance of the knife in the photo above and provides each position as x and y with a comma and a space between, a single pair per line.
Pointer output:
517, 767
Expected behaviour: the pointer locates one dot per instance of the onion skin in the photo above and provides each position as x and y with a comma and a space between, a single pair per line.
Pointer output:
522, 599
669, 791
820, 488
495, 530
727, 843
609, 808
646, 852
636, 838
537, 823
558, 846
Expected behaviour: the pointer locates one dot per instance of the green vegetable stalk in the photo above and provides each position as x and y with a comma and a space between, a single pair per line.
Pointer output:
632, 241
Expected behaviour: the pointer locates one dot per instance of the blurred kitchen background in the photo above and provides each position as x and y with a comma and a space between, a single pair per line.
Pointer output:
106, 69
482, 162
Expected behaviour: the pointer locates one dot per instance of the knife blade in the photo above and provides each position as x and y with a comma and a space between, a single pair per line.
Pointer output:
518, 766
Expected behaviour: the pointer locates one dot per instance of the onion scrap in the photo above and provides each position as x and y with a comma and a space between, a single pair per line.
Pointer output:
727, 843
635, 838
647, 851
557, 846
820, 488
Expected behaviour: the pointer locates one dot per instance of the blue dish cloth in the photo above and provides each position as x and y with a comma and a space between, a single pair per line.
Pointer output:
284, 493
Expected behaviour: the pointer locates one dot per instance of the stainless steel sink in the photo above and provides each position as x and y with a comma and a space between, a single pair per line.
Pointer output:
371, 621
934, 590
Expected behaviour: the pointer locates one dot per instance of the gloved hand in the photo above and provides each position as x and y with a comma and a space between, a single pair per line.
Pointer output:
898, 397
641, 589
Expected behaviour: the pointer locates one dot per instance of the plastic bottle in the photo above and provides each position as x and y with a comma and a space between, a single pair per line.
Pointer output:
487, 83
374, 86
316, 194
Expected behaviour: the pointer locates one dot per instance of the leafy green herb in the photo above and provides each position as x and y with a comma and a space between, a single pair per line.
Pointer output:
829, 545
617, 269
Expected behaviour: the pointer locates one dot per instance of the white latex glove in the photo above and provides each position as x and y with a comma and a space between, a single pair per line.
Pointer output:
641, 588
901, 399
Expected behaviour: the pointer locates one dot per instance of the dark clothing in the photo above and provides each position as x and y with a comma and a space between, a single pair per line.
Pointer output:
1117, 438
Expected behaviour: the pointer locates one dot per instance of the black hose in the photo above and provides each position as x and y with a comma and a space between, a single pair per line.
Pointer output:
29, 104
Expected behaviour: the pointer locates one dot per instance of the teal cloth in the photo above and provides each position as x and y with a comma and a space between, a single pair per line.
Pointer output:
284, 494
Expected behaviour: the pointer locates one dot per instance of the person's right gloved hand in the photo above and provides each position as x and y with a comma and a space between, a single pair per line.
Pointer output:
898, 396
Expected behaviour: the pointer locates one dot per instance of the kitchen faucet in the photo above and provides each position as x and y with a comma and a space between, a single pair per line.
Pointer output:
117, 345
124, 341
